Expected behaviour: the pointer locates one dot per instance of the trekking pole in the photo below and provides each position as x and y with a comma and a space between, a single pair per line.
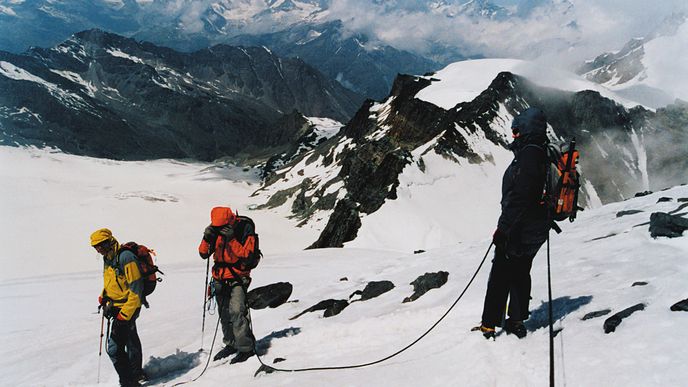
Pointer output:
205, 300
100, 346
551, 323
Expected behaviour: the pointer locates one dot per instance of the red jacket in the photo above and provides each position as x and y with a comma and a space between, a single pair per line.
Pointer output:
229, 253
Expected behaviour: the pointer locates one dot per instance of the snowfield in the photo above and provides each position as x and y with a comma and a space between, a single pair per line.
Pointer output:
51, 278
463, 81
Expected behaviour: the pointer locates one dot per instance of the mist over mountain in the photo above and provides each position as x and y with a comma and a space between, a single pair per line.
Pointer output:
642, 69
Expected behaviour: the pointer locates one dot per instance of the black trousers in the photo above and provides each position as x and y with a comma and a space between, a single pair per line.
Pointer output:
124, 349
509, 278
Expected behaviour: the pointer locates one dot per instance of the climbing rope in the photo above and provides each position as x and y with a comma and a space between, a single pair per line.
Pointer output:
387, 357
210, 354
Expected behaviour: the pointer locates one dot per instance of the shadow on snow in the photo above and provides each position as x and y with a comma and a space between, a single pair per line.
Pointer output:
263, 344
562, 306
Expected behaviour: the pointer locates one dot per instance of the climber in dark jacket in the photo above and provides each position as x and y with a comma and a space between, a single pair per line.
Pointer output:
522, 227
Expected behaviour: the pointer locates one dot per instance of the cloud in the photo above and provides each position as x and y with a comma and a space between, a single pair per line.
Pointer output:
586, 29
564, 31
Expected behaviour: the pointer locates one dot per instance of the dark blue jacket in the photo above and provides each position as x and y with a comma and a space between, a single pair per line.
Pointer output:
524, 217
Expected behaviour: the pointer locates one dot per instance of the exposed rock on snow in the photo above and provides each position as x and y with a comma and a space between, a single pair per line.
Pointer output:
639, 283
342, 227
643, 193
680, 306
272, 295
627, 212
611, 323
663, 224
331, 307
427, 281
597, 313
373, 289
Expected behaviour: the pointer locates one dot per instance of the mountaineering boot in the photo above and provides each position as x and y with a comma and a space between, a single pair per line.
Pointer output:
142, 377
224, 352
488, 333
242, 357
517, 328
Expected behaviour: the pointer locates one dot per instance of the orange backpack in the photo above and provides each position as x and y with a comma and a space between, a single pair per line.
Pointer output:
144, 257
562, 182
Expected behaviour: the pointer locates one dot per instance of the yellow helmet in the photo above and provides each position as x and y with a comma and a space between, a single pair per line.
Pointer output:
100, 236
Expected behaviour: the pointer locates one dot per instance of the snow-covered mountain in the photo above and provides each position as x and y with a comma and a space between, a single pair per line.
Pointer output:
105, 95
386, 164
360, 44
604, 263
362, 65
646, 68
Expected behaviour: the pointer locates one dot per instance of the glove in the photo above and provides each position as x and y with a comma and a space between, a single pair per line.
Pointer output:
110, 311
499, 239
227, 232
101, 302
209, 234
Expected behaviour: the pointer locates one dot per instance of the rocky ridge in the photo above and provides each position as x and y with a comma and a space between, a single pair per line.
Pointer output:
363, 162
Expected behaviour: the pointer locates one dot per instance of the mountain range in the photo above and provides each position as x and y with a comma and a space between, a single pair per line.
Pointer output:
105, 95
328, 34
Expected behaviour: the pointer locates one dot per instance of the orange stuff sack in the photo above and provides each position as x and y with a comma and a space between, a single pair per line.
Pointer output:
563, 182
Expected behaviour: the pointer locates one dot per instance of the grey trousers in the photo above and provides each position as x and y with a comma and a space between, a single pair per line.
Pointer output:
236, 329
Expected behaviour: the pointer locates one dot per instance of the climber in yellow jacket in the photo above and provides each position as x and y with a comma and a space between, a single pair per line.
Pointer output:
121, 301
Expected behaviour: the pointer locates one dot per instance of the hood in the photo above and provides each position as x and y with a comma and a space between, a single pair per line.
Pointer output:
220, 216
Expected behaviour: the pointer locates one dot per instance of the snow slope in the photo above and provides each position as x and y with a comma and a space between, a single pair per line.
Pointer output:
49, 331
465, 80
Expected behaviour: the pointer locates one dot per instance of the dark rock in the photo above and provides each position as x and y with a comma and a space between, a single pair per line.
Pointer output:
639, 283
644, 193
343, 279
677, 210
331, 307
627, 212
663, 224
373, 289
612, 322
681, 200
342, 227
426, 282
597, 313
418, 251
278, 360
664, 199
263, 368
680, 306
272, 295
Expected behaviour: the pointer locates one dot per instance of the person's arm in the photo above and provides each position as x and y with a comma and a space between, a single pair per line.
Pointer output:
133, 277
242, 250
207, 246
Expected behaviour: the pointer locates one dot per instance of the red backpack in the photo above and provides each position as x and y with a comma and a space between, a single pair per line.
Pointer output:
144, 257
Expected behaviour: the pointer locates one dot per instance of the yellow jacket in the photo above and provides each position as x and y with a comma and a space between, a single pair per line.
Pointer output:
122, 282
